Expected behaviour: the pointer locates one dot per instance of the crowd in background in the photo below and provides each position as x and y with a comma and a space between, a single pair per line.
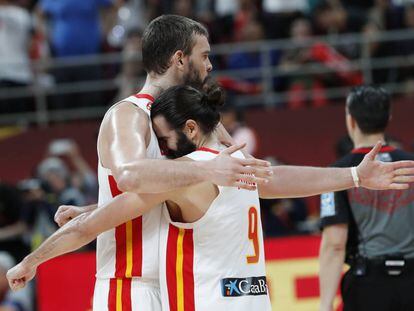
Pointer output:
27, 210
33, 30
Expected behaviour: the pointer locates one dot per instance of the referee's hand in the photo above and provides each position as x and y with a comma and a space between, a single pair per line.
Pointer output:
377, 175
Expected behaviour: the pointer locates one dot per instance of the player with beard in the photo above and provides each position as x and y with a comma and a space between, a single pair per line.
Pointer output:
175, 50
211, 241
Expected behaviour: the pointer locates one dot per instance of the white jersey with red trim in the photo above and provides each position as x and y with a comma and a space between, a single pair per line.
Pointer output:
216, 263
131, 249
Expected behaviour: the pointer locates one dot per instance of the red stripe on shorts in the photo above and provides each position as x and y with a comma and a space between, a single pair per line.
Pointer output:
126, 295
171, 262
112, 295
188, 270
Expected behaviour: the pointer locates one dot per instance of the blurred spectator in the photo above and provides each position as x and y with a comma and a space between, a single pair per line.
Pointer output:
75, 26
251, 32
74, 31
83, 177
54, 173
38, 212
233, 120
132, 69
278, 15
12, 227
15, 40
246, 22
376, 49
227, 19
310, 89
331, 18
73, 188
406, 48
9, 300
293, 59
386, 15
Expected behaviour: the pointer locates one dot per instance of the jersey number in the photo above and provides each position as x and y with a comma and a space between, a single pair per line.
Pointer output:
253, 235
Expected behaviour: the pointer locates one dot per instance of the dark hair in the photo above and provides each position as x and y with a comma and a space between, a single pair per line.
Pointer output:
370, 106
164, 36
181, 103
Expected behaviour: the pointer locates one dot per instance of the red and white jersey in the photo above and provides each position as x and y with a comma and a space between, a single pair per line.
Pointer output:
131, 249
216, 263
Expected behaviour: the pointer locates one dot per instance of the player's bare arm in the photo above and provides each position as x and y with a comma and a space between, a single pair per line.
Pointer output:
296, 181
332, 256
122, 145
82, 230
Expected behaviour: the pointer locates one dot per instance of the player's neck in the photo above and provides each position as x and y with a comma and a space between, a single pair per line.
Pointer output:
156, 84
363, 140
211, 142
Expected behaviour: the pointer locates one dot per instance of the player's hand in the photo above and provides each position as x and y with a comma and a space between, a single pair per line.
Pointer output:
226, 170
377, 175
66, 213
20, 275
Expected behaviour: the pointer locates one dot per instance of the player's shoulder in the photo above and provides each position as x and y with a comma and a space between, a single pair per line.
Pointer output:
125, 110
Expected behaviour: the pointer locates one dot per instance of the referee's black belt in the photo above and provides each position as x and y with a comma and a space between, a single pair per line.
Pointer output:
390, 265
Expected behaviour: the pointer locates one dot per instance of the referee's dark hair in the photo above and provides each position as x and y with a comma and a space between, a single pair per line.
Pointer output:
166, 35
370, 106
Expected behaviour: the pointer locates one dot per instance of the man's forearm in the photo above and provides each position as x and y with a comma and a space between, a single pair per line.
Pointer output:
302, 181
87, 226
68, 238
331, 261
154, 176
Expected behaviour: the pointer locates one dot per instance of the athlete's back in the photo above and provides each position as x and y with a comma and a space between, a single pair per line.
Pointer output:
217, 262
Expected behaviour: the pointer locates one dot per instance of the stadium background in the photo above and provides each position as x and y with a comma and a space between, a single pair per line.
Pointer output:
286, 66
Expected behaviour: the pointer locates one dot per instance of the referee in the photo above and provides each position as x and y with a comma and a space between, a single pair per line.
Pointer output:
372, 231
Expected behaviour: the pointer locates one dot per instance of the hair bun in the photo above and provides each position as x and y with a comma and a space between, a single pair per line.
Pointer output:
214, 96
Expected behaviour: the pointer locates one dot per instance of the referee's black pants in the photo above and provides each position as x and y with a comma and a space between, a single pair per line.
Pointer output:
378, 291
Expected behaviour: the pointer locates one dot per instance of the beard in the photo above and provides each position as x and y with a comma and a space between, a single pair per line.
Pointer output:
184, 147
193, 78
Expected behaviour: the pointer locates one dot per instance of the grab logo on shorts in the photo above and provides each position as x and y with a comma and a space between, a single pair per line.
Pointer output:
237, 287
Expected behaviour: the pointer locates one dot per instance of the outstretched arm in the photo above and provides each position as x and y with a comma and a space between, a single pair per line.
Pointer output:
296, 181
82, 230
122, 147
